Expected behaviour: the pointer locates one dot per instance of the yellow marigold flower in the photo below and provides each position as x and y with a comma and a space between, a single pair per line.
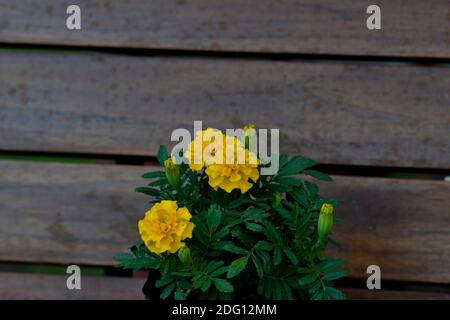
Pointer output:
165, 226
197, 147
234, 175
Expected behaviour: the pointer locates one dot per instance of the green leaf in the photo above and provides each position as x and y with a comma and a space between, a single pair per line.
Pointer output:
296, 165
165, 280
223, 285
167, 291
318, 175
237, 266
162, 155
263, 245
129, 261
291, 255
213, 219
254, 227
306, 280
158, 183
335, 293
219, 271
213, 265
148, 191
231, 247
300, 196
288, 181
153, 174
258, 266
179, 294
277, 256
329, 264
312, 188
206, 284
272, 233
334, 275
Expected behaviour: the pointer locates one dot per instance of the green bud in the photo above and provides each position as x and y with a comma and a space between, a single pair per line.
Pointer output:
277, 199
184, 254
325, 222
172, 172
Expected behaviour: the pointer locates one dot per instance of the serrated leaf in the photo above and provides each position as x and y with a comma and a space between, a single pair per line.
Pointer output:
213, 265
272, 233
165, 280
277, 256
162, 155
318, 175
213, 217
223, 285
129, 261
148, 191
312, 188
153, 174
206, 284
334, 275
179, 294
300, 196
335, 293
231, 247
258, 266
263, 245
329, 264
158, 183
167, 291
296, 165
288, 181
222, 233
291, 255
308, 279
254, 227
237, 266
219, 271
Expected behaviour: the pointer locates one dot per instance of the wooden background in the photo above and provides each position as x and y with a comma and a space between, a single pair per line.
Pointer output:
83, 112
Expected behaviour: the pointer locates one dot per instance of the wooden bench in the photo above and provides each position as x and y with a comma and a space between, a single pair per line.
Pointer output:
105, 97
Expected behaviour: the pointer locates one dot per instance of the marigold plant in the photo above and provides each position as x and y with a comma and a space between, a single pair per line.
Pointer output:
220, 230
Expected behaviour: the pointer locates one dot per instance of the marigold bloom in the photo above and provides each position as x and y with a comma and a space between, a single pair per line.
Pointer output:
165, 226
234, 175
202, 141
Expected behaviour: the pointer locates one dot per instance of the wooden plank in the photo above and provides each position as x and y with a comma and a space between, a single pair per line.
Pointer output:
365, 294
84, 214
400, 225
34, 286
418, 28
71, 214
391, 114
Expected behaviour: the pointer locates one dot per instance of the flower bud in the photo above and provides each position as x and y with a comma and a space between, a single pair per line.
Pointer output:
277, 199
249, 133
172, 172
184, 254
325, 222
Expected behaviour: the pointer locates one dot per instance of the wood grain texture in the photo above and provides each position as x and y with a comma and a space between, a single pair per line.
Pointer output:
412, 28
84, 214
403, 226
33, 286
70, 214
365, 294
364, 113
